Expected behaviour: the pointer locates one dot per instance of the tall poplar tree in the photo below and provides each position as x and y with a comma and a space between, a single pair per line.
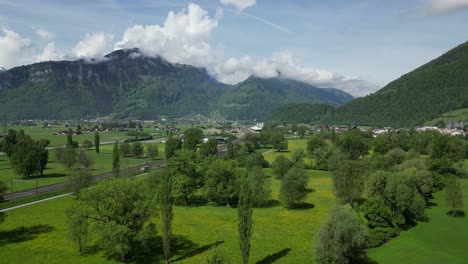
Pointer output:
96, 141
244, 216
116, 160
166, 203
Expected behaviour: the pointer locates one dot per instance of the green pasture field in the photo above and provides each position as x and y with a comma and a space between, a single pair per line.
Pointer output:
56, 172
443, 239
38, 233
456, 115
293, 144
39, 132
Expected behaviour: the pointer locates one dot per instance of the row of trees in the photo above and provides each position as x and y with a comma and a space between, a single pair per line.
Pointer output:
136, 149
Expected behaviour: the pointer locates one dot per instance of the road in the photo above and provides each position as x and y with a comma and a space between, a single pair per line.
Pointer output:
57, 186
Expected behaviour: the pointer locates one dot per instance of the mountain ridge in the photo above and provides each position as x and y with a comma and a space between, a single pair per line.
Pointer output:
436, 87
127, 84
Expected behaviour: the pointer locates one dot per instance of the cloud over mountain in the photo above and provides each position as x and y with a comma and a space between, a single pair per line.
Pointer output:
184, 37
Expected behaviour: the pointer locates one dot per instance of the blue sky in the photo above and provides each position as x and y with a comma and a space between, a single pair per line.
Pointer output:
358, 46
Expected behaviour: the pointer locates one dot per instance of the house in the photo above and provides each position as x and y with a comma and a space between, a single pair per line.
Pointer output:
257, 128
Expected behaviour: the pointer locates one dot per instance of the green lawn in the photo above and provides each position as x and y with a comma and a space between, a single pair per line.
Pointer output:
287, 233
56, 172
443, 239
293, 144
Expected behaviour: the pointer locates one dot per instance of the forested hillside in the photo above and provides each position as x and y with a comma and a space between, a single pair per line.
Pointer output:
301, 113
255, 97
419, 96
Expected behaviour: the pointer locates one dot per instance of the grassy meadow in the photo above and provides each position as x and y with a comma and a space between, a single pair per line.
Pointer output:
56, 172
452, 116
280, 235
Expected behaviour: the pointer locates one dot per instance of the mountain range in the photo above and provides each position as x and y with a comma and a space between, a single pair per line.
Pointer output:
126, 84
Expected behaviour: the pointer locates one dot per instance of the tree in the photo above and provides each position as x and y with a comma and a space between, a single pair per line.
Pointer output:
67, 156
297, 156
281, 166
172, 145
192, 137
29, 157
3, 189
41, 155
221, 184
125, 149
152, 151
293, 189
116, 160
79, 226
9, 142
119, 209
353, 143
348, 181
244, 216
69, 138
209, 148
342, 238
85, 159
261, 186
231, 151
166, 203
185, 176
278, 141
314, 143
96, 141
79, 180
87, 144
255, 159
454, 195
321, 156
137, 149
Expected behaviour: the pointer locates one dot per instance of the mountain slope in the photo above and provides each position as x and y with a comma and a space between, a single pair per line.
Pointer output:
300, 113
255, 98
123, 85
421, 95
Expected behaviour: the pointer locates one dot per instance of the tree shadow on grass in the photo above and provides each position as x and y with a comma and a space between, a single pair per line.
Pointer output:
303, 206
310, 190
52, 175
270, 203
456, 213
198, 251
274, 257
364, 260
21, 234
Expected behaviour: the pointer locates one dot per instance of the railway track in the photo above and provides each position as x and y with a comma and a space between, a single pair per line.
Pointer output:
57, 186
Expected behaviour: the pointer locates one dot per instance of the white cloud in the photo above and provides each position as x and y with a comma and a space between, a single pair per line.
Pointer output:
47, 35
94, 45
184, 37
282, 65
436, 7
13, 48
239, 4
50, 53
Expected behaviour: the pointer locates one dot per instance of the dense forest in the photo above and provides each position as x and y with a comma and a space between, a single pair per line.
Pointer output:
300, 113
